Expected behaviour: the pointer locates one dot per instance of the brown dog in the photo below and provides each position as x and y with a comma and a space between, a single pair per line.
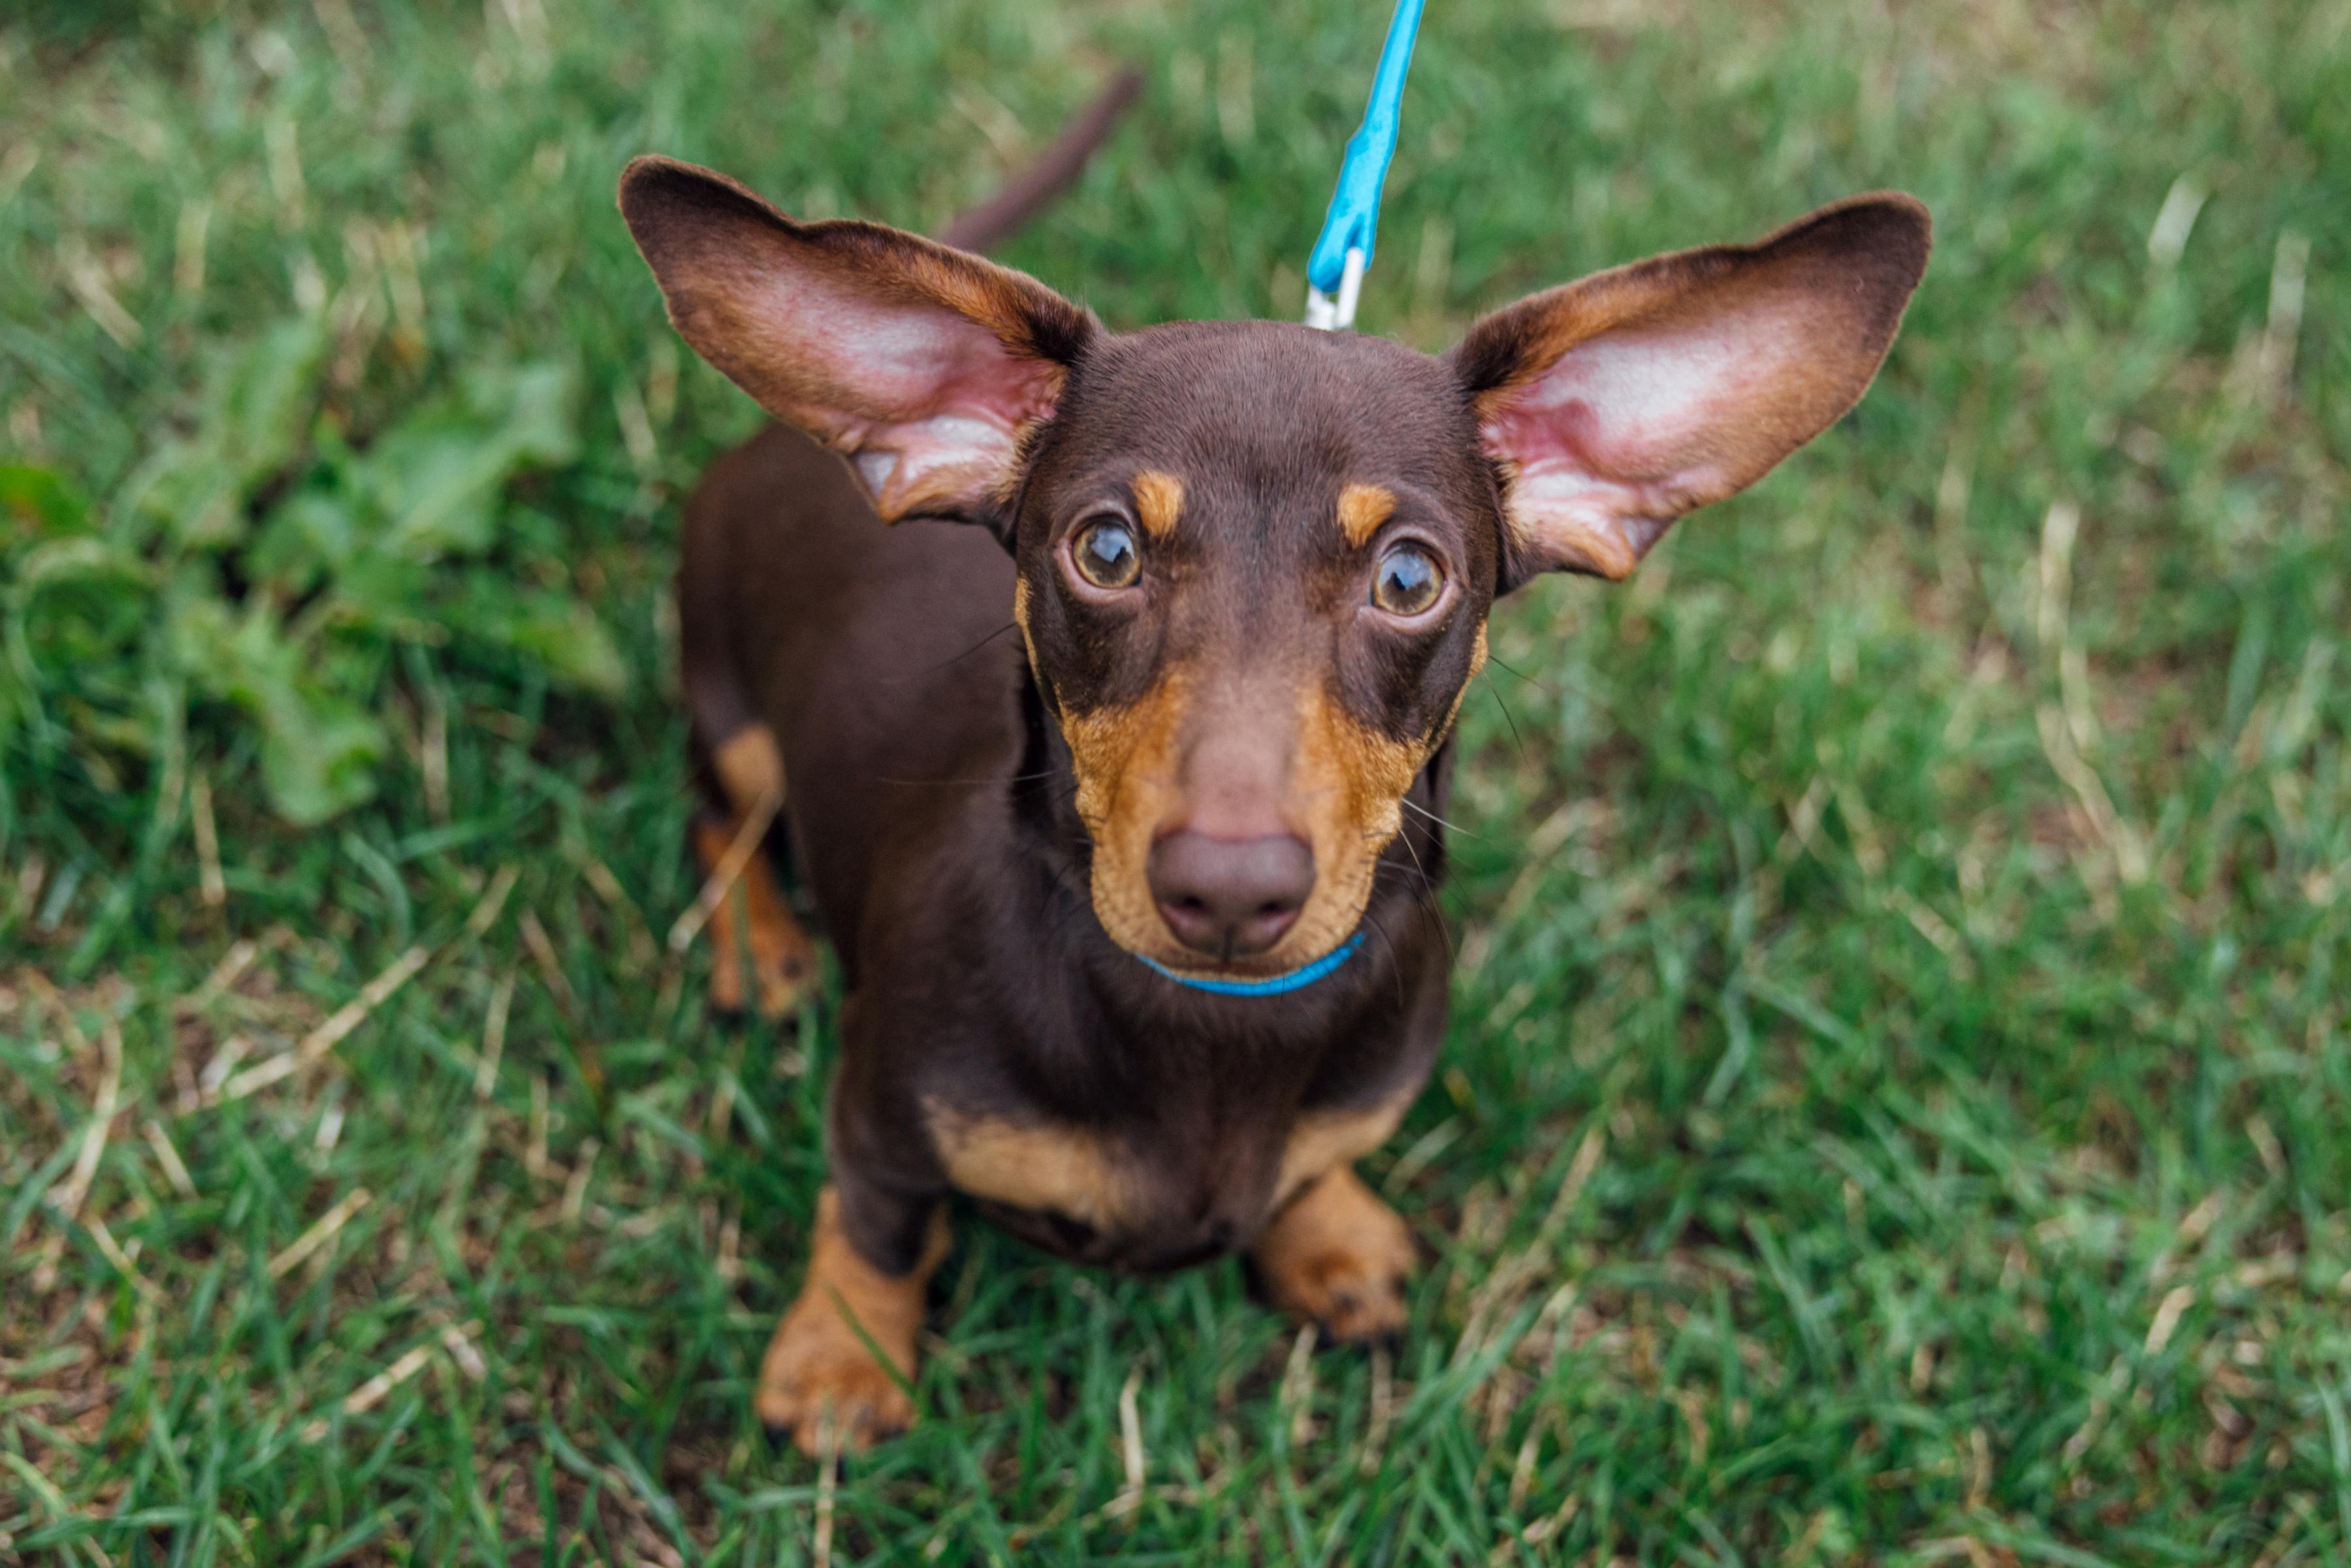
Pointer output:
1138, 937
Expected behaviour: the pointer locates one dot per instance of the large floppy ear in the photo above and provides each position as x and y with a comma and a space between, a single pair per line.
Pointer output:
1614, 405
924, 365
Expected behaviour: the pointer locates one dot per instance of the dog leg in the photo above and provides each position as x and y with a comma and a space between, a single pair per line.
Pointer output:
1339, 1257
820, 1364
783, 957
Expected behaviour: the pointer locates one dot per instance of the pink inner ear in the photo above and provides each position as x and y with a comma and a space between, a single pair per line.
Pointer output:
1629, 429
928, 402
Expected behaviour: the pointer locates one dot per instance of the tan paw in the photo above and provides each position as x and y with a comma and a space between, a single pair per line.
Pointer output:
1339, 1257
754, 915
815, 1370
783, 957
820, 1380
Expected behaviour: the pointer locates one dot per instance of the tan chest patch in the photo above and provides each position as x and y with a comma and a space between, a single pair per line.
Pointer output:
1032, 1165
1125, 762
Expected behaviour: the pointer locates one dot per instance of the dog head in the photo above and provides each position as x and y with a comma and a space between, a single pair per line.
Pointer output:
1254, 561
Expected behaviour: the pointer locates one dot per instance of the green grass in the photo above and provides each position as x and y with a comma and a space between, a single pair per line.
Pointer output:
1916, 906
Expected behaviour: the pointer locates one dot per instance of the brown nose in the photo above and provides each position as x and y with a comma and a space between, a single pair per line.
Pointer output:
1230, 896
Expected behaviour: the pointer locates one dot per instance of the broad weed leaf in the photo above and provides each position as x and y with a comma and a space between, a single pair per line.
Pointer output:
309, 536
555, 630
78, 600
36, 502
436, 476
251, 424
319, 748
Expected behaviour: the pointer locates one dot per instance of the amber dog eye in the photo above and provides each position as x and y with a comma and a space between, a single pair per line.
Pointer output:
1408, 582
1106, 555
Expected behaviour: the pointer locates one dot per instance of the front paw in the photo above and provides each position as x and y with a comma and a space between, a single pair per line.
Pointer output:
1339, 1257
820, 1382
821, 1379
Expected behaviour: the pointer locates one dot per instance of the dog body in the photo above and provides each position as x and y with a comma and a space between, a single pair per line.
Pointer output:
993, 1036
1117, 770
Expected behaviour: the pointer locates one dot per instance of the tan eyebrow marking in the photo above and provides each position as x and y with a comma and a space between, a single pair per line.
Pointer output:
1361, 509
1159, 501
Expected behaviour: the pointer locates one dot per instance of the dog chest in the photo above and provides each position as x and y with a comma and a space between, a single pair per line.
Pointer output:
1144, 1204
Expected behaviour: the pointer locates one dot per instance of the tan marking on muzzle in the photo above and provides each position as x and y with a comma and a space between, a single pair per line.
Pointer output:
1159, 502
1361, 509
1125, 762
1352, 780
1349, 783
1323, 1140
1031, 1164
1020, 619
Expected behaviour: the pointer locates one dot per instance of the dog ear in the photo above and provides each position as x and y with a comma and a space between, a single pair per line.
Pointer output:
924, 365
1614, 405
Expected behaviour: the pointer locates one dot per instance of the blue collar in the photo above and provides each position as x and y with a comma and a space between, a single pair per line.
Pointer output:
1278, 985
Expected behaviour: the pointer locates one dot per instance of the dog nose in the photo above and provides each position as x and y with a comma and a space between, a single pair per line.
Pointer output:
1230, 896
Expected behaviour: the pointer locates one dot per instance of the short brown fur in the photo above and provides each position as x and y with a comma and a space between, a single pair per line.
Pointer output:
980, 821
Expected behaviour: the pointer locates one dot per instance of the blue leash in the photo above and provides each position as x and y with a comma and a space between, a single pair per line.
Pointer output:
1336, 268
1280, 985
1343, 250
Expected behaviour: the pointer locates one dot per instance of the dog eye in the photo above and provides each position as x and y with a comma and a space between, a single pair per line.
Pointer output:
1106, 555
1408, 581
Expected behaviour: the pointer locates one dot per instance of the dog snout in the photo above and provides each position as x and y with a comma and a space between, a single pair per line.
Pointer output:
1229, 897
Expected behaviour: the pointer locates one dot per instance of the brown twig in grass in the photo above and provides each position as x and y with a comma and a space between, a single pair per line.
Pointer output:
331, 1033
329, 1224
433, 754
575, 1188
209, 880
66, 1197
492, 904
608, 888
1515, 1272
86, 280
370, 1394
124, 1264
534, 1151
1130, 1437
457, 1339
29, 877
730, 866
827, 1479
354, 1013
227, 972
1296, 1398
550, 968
494, 1038
1382, 1411
176, 1170
216, 1072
